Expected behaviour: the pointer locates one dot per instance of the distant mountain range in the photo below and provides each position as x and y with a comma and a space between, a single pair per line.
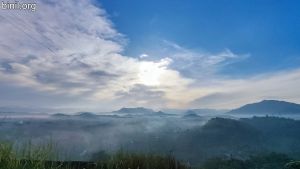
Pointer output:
136, 110
139, 111
60, 115
123, 112
86, 115
268, 107
265, 107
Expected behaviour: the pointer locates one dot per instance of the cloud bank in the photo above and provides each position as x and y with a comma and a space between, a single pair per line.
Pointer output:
68, 54
70, 48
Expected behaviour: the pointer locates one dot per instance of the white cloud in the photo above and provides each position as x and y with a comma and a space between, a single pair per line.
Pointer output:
71, 48
70, 52
200, 64
230, 93
144, 55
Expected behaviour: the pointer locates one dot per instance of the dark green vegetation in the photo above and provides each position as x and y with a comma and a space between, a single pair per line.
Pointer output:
39, 159
266, 161
189, 139
225, 138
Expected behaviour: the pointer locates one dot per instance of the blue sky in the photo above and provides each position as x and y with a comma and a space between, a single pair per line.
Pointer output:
89, 55
268, 30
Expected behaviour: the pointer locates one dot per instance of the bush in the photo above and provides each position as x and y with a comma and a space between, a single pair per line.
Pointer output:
292, 165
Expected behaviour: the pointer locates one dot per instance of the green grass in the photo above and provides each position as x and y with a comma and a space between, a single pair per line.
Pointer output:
123, 160
31, 157
42, 157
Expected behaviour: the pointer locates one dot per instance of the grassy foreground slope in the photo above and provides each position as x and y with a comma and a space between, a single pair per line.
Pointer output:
40, 159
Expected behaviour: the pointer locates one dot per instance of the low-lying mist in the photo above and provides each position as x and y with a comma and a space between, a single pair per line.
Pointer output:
82, 136
190, 137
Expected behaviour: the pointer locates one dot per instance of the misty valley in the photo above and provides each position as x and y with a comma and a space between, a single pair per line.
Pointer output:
193, 136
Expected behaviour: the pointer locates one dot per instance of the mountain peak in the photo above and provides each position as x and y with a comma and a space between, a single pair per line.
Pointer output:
191, 114
268, 107
135, 110
274, 101
86, 114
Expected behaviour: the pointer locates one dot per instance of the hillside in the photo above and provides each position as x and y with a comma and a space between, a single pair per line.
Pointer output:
139, 111
220, 137
268, 107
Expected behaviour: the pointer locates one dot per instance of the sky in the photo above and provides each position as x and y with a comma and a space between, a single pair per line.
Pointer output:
104, 55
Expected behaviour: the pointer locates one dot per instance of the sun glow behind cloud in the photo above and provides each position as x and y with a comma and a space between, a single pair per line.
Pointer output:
154, 73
